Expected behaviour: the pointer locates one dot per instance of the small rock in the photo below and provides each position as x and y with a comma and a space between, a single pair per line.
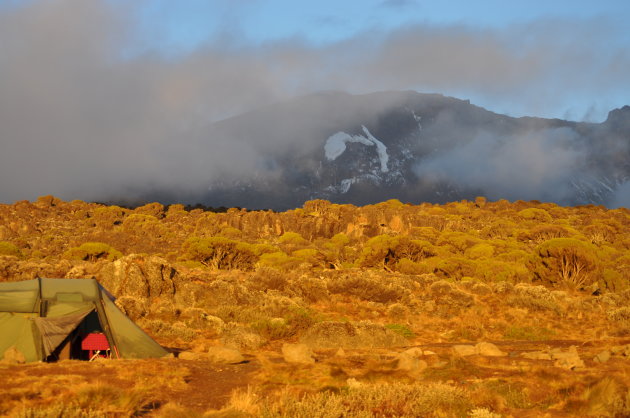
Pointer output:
340, 353
464, 350
414, 352
353, 383
297, 354
602, 357
489, 349
411, 364
622, 350
189, 355
225, 355
13, 356
429, 353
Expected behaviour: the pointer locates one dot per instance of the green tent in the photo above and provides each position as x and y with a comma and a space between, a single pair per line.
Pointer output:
49, 319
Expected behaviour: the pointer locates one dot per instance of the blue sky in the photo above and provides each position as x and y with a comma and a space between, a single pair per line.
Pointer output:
190, 23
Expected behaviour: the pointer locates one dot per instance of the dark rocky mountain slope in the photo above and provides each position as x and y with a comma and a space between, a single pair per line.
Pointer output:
415, 147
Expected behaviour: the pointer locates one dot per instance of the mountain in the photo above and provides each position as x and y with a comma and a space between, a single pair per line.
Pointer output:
414, 147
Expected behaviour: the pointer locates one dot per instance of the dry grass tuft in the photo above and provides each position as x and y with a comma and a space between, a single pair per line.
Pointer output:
368, 400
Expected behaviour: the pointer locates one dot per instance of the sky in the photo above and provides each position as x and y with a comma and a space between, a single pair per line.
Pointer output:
94, 93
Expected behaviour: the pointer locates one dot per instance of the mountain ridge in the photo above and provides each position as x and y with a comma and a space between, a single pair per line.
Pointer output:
437, 148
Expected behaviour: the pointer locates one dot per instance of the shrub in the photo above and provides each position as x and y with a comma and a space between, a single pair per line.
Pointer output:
406, 266
564, 260
220, 253
385, 251
108, 216
458, 242
613, 281
309, 255
599, 233
279, 260
337, 250
535, 214
368, 288
492, 270
527, 333
481, 250
455, 268
401, 330
292, 239
92, 251
6, 248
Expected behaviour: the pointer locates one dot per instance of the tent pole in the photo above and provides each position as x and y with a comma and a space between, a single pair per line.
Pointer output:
42, 312
102, 317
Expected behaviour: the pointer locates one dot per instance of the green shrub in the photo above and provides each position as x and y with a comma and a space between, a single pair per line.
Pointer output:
401, 330
220, 253
535, 214
385, 251
292, 238
565, 261
279, 260
92, 251
481, 250
6, 248
406, 266
613, 281
528, 333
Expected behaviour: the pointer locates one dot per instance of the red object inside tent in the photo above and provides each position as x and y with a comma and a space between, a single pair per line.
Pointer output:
95, 343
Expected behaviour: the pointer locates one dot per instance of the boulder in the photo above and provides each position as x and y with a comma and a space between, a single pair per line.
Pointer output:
297, 354
189, 355
489, 349
411, 364
241, 338
567, 360
13, 356
602, 357
414, 352
621, 350
139, 276
464, 350
225, 355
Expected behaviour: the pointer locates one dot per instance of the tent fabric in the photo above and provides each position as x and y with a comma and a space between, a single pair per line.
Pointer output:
19, 296
17, 330
37, 315
130, 339
54, 330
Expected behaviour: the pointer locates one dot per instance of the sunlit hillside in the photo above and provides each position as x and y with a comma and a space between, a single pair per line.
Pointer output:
471, 308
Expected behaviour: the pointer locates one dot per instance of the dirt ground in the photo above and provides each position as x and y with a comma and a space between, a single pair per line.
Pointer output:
200, 385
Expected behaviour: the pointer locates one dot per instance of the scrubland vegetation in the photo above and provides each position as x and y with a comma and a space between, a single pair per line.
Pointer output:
337, 310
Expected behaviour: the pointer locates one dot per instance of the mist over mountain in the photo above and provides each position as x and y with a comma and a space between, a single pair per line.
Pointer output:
410, 146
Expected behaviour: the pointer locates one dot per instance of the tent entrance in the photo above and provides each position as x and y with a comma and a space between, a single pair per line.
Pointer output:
76, 329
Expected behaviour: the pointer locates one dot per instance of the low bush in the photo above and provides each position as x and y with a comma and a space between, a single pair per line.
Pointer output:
93, 251
6, 248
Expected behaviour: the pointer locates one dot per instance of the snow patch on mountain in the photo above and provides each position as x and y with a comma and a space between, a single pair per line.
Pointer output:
336, 145
417, 119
